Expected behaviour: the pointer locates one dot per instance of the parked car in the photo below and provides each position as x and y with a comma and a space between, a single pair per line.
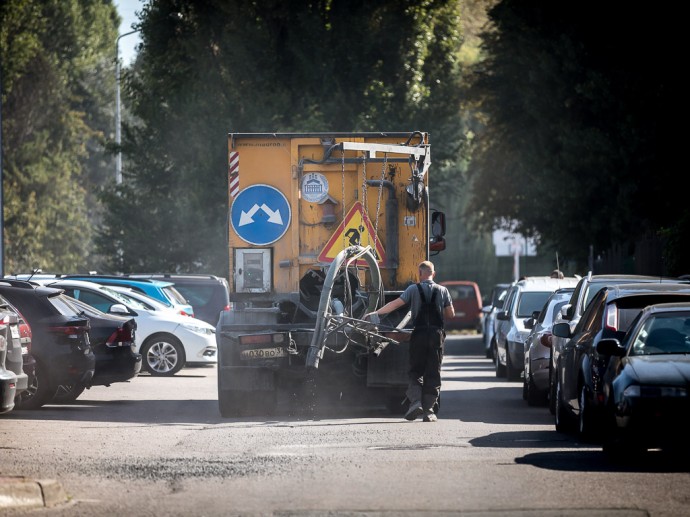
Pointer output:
28, 360
535, 388
580, 396
523, 298
467, 302
209, 295
647, 381
8, 378
165, 340
13, 360
162, 291
113, 343
496, 299
60, 340
585, 291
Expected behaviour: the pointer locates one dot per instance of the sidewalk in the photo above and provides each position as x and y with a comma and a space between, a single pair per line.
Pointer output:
21, 492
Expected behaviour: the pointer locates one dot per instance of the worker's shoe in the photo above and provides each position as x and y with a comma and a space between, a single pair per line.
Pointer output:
414, 412
429, 416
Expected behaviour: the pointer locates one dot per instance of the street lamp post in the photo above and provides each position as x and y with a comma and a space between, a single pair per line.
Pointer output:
118, 124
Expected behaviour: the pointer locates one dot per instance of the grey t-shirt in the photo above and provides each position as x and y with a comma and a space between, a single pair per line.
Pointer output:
411, 297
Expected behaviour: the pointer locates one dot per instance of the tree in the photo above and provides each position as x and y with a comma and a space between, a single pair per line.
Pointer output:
579, 144
207, 68
53, 57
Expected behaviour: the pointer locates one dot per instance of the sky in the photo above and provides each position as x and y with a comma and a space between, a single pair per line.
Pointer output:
127, 11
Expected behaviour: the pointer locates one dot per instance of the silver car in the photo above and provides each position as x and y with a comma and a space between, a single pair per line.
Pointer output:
535, 387
498, 296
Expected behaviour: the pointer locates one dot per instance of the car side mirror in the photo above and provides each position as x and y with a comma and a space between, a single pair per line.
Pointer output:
610, 347
561, 330
503, 316
118, 308
529, 323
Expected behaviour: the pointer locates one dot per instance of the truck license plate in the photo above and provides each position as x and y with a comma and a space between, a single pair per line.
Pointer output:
263, 353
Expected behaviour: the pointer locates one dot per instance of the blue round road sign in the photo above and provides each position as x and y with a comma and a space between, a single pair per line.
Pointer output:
260, 214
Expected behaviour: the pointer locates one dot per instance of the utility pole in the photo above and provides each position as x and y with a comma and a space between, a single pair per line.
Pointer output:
2, 192
118, 123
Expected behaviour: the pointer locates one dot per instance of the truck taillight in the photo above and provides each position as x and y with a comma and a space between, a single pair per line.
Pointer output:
258, 339
546, 339
227, 308
121, 337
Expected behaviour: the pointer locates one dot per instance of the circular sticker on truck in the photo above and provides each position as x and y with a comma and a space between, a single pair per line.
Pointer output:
260, 214
314, 187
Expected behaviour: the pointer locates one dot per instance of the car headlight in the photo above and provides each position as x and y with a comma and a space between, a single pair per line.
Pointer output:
198, 329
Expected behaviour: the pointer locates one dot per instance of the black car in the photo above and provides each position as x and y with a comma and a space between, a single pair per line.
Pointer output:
209, 295
112, 342
60, 340
585, 291
580, 396
647, 383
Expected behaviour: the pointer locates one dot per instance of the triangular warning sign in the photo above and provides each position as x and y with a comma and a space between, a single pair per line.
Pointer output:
356, 229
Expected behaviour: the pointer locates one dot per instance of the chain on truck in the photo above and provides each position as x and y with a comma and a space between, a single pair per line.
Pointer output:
323, 228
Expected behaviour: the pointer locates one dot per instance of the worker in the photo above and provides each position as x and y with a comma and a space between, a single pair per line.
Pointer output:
430, 304
557, 273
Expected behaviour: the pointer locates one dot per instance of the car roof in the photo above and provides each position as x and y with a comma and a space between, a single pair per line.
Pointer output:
117, 278
73, 282
636, 278
668, 307
624, 290
545, 283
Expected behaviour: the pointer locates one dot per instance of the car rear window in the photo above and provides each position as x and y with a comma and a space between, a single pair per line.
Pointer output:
61, 303
530, 302
175, 295
198, 295
461, 292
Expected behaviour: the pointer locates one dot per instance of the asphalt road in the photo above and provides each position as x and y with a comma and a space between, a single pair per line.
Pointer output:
158, 446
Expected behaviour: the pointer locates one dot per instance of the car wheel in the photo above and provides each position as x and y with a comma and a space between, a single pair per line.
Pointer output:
563, 424
586, 424
163, 355
500, 369
512, 373
66, 393
552, 391
39, 391
534, 396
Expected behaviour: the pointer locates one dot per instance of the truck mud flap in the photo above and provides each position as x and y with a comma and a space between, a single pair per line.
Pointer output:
245, 378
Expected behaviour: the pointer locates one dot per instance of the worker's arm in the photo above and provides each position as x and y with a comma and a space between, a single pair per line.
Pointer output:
389, 307
448, 312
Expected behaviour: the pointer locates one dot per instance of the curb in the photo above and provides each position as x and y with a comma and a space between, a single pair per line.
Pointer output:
21, 492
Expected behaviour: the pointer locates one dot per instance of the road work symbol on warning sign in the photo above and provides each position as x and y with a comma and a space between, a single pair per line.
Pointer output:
355, 230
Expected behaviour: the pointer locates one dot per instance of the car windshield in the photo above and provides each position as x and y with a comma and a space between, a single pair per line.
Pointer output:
530, 302
500, 298
663, 334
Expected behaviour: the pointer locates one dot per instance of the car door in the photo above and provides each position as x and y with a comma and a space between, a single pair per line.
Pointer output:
578, 349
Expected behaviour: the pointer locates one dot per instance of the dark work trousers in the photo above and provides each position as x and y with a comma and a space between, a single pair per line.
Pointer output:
426, 355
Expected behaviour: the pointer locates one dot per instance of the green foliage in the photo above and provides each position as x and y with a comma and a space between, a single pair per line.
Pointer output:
54, 56
578, 142
207, 68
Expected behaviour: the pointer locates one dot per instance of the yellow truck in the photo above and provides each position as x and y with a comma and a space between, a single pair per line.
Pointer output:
322, 229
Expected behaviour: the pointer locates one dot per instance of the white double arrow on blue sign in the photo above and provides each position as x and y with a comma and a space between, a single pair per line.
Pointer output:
273, 216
